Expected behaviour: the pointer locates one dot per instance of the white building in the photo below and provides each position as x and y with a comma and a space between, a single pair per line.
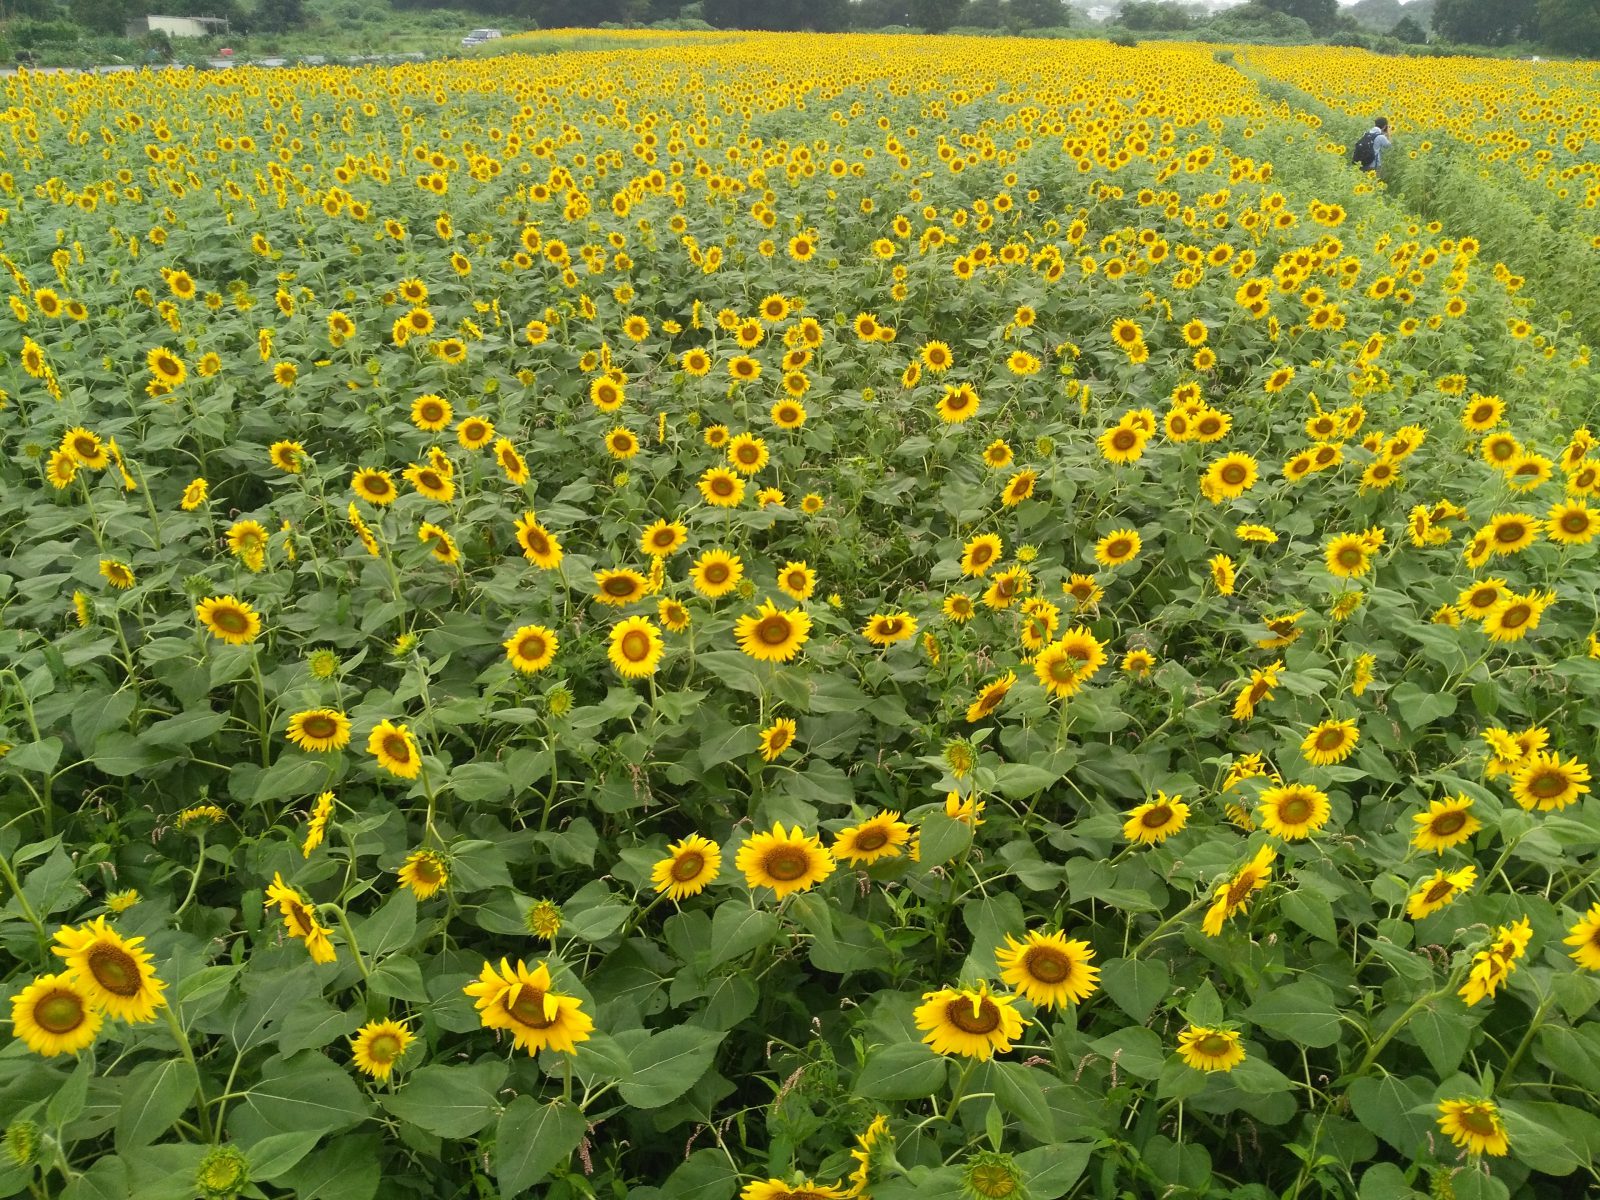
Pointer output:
179, 27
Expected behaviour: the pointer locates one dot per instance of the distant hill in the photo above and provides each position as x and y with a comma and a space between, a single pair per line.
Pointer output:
1381, 15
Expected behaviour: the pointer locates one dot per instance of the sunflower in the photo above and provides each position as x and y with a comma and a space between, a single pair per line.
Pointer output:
62, 469
1255, 533
1544, 781
511, 463
1207, 1049
288, 457
378, 1045
113, 972
1047, 970
1330, 742
1476, 601
117, 573
716, 573
430, 481
1439, 889
791, 414
1474, 1125
786, 861
474, 433
622, 443
620, 586
747, 454
1118, 547
53, 1015
524, 1003
374, 486
958, 607
531, 648
721, 488
663, 538
319, 729
194, 495
997, 455
1067, 663
166, 367
1229, 477
1233, 895
797, 580
990, 697
395, 749
86, 448
1446, 824
1122, 444
539, 545
773, 634
691, 866
971, 1023
1515, 614
936, 357
1138, 663
1293, 811
981, 553
425, 873
1348, 555
230, 619
1585, 936
1223, 573
1156, 820
300, 920
806, 1189
885, 629
635, 647
776, 738
1510, 533
1019, 488
882, 836
1572, 523
1282, 630
673, 614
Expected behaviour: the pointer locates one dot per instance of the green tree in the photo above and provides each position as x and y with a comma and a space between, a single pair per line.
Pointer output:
1408, 31
1321, 15
1145, 15
1486, 22
1038, 14
107, 17
935, 15
1572, 26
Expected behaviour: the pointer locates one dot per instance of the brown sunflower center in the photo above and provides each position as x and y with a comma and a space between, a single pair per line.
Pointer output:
86, 447
1511, 531
1330, 739
1446, 824
528, 1008
1575, 522
774, 630
1547, 784
875, 838
396, 747
688, 865
430, 481
1233, 474
1119, 548
722, 486
1157, 817
230, 620
1438, 891
1241, 887
1294, 809
60, 1012
1477, 1120
786, 863
716, 573
635, 646
982, 553
114, 969
1213, 1045
531, 646
384, 1048
428, 870
1047, 964
377, 485
1124, 439
1516, 616
1350, 556
621, 585
536, 542
319, 725
1208, 426
985, 1019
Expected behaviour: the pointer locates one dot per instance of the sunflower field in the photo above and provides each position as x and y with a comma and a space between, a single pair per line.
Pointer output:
797, 617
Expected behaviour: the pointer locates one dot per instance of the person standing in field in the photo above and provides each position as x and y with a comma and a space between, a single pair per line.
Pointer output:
1369, 148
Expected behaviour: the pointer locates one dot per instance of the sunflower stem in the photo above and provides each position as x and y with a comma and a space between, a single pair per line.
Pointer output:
28, 912
194, 879
350, 937
1527, 1039
182, 1038
265, 725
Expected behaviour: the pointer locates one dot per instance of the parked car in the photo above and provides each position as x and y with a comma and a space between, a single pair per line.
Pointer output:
478, 36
